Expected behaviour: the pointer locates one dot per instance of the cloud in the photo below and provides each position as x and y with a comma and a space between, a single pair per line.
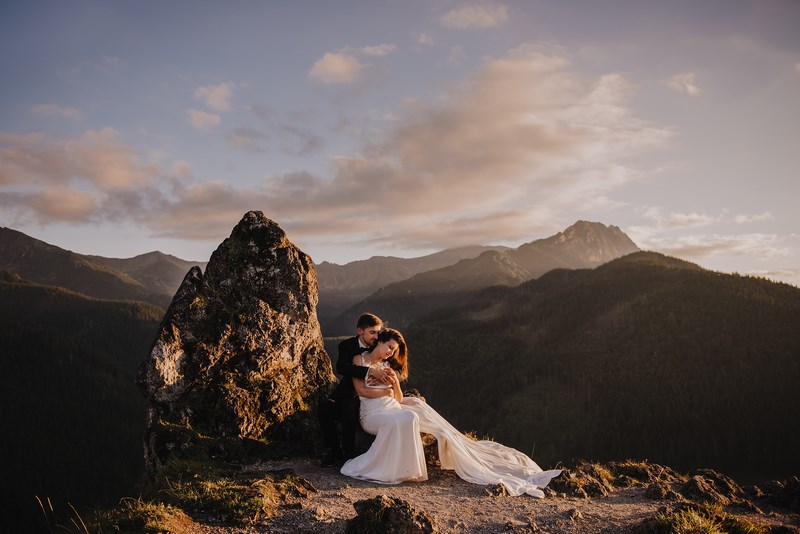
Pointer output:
111, 61
247, 139
379, 50
797, 66
55, 204
758, 217
97, 157
482, 15
336, 68
696, 220
183, 169
456, 56
202, 120
520, 142
289, 129
684, 83
216, 97
52, 110
704, 246
424, 39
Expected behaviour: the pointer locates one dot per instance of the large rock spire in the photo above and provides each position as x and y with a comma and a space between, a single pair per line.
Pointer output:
239, 355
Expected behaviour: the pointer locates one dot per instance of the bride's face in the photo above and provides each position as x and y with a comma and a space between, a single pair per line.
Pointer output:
386, 349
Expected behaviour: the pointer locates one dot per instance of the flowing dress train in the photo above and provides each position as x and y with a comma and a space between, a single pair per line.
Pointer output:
480, 462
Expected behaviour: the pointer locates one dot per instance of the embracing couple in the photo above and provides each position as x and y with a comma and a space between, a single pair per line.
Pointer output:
373, 364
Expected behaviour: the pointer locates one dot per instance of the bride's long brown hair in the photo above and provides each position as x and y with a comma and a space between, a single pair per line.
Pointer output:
399, 360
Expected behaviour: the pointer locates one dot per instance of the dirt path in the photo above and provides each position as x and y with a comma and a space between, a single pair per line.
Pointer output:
458, 506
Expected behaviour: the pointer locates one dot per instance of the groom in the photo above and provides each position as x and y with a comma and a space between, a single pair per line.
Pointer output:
343, 403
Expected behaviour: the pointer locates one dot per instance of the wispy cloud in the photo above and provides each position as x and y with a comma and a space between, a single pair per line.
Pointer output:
247, 139
424, 39
708, 245
202, 120
379, 50
216, 97
676, 220
52, 110
684, 83
479, 15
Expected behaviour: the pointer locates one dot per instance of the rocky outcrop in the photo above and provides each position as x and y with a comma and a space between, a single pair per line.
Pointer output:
239, 355
390, 515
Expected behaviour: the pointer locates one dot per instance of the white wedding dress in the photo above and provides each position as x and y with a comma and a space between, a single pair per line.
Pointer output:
396, 455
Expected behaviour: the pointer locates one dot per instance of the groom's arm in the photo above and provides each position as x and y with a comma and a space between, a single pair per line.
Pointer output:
344, 362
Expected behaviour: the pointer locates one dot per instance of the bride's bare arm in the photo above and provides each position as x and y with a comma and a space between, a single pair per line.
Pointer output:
395, 383
370, 393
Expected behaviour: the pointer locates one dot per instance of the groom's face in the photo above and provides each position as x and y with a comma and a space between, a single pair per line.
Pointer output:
368, 335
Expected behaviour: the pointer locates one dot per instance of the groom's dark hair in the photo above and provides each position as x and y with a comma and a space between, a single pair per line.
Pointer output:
367, 319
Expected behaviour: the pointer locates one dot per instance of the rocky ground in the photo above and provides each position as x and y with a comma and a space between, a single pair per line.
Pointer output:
453, 505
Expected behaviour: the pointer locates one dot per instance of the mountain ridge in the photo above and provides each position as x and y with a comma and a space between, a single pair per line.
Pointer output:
581, 245
151, 277
647, 352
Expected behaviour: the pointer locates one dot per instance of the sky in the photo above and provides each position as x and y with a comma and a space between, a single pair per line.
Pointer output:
404, 127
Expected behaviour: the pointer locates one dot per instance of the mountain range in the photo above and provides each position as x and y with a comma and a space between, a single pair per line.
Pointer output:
151, 277
646, 356
396, 288
582, 245
341, 286
576, 346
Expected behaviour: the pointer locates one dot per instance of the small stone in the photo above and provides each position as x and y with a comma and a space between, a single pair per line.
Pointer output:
497, 490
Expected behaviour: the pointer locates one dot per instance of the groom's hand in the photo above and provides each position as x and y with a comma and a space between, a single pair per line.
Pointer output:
381, 374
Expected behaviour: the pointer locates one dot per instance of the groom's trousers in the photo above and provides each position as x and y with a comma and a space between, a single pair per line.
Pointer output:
344, 410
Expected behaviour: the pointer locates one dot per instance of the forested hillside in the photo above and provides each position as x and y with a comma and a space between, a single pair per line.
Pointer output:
644, 357
72, 416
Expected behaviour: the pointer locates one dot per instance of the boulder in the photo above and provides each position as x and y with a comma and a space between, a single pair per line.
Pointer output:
239, 354
389, 515
709, 486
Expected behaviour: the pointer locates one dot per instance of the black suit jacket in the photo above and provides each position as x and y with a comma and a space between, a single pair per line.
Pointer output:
348, 349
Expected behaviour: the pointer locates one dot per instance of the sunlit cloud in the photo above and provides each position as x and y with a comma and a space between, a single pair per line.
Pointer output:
52, 110
523, 140
335, 68
97, 157
57, 204
684, 83
183, 169
480, 15
202, 120
702, 246
216, 97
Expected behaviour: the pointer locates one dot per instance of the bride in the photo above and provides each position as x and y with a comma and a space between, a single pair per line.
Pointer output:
397, 456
